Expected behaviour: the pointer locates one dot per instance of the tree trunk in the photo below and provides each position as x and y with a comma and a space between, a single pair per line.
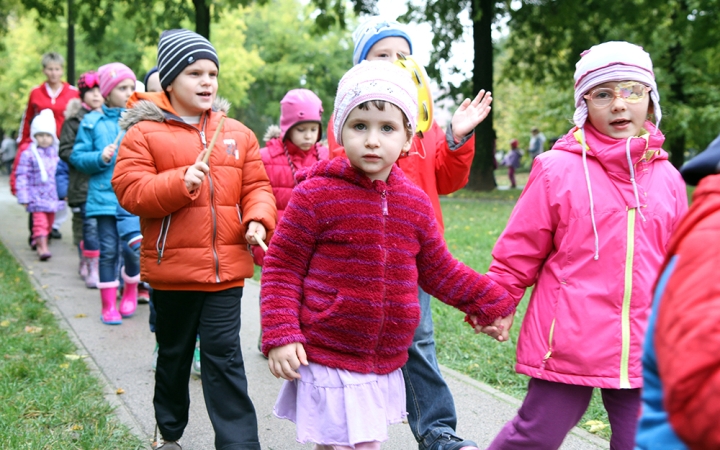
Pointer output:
482, 176
202, 18
70, 66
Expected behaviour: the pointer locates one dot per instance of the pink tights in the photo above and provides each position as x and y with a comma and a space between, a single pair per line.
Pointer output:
374, 445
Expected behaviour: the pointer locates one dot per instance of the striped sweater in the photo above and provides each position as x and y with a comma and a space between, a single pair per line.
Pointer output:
342, 271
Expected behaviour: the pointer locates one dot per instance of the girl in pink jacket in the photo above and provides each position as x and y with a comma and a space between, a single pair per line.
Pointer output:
590, 232
293, 146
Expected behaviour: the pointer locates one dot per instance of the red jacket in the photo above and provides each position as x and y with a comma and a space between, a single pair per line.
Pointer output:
687, 335
433, 165
342, 272
191, 240
282, 176
39, 100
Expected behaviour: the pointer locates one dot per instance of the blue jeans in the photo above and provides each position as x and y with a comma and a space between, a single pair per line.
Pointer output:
430, 405
109, 251
91, 240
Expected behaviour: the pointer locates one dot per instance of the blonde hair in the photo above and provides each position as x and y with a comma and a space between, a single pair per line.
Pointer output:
52, 58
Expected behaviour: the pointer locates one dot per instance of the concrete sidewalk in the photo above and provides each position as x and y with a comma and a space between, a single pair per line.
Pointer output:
121, 357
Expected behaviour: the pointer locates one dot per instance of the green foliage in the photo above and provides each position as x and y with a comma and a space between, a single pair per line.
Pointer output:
281, 33
49, 397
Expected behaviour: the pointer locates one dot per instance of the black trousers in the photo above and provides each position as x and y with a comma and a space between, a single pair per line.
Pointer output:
215, 316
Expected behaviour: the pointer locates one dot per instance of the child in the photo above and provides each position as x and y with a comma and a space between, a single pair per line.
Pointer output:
84, 228
438, 162
8, 149
339, 288
54, 94
36, 187
197, 219
593, 254
680, 407
94, 154
292, 147
512, 161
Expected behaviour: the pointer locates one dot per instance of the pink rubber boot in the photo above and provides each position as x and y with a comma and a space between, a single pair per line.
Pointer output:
128, 302
108, 295
93, 264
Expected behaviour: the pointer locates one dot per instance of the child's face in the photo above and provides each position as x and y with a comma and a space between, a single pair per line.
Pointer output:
53, 72
93, 98
44, 140
618, 119
194, 90
387, 49
374, 139
304, 135
153, 84
118, 97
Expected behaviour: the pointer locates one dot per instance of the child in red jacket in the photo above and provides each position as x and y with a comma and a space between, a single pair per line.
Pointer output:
339, 289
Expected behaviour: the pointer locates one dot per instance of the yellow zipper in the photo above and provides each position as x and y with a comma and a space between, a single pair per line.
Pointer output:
625, 353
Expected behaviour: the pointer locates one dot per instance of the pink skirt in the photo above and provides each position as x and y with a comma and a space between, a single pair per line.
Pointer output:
338, 407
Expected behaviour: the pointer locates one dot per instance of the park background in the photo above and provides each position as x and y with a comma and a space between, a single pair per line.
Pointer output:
524, 51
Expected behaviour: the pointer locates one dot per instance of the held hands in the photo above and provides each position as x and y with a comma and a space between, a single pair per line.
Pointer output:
108, 152
196, 173
500, 329
255, 228
284, 361
470, 114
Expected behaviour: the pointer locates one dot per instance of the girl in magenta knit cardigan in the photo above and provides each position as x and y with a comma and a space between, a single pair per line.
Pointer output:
339, 287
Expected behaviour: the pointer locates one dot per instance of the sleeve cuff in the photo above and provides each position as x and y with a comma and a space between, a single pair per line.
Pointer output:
452, 145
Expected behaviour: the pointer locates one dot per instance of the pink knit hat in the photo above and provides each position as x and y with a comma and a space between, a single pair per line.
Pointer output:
110, 75
298, 106
613, 61
375, 80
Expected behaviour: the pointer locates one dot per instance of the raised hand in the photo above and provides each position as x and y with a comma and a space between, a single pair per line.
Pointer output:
470, 114
196, 173
284, 361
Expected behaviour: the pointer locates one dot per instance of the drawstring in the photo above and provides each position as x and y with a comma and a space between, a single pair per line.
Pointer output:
41, 164
632, 178
592, 204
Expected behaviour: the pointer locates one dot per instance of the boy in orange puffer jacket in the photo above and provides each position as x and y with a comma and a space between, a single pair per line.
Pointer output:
197, 219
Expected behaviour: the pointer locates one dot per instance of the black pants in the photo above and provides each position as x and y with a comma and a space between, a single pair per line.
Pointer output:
215, 316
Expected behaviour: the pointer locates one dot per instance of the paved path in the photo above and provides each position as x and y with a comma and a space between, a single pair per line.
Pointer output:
121, 356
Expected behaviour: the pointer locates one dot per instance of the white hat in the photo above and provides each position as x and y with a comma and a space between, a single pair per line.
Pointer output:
44, 123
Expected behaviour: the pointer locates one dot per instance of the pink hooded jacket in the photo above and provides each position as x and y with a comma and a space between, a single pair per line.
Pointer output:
577, 235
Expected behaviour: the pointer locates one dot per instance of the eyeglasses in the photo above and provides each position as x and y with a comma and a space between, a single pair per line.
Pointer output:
630, 91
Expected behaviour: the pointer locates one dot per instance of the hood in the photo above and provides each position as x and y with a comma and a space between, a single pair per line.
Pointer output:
273, 132
702, 165
340, 168
73, 108
156, 107
618, 157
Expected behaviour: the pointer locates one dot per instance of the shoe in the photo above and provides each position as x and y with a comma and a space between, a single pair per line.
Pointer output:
108, 296
195, 369
154, 356
447, 441
143, 293
42, 248
93, 264
55, 234
169, 445
129, 299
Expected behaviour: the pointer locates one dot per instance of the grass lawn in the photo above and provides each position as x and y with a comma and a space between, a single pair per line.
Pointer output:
473, 222
49, 398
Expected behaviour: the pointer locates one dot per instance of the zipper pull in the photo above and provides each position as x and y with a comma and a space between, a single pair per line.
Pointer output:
383, 195
202, 138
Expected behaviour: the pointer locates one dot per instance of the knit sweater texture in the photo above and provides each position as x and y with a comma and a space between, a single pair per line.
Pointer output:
342, 271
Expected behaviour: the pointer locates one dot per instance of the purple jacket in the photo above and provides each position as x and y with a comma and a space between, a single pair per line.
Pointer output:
38, 195
586, 320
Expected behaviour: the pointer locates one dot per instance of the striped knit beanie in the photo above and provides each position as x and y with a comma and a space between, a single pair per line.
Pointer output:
178, 49
375, 80
371, 31
613, 61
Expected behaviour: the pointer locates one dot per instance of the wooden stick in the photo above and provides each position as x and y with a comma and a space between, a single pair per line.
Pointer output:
212, 142
260, 241
115, 142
